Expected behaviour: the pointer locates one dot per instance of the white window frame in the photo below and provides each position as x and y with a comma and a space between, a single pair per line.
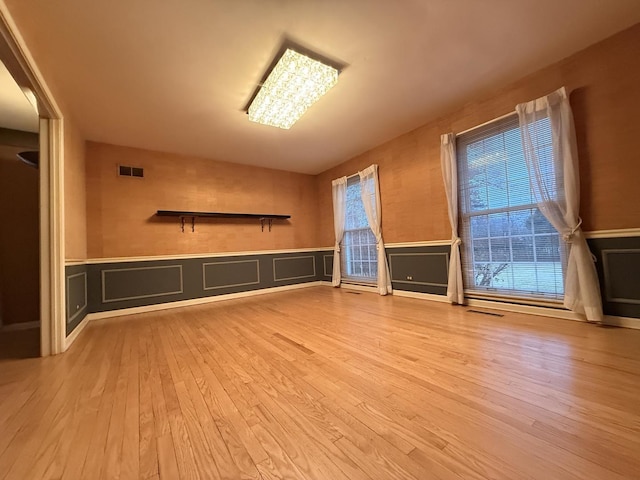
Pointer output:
347, 250
472, 290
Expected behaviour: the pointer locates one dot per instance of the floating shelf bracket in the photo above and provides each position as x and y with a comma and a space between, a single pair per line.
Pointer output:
266, 219
193, 223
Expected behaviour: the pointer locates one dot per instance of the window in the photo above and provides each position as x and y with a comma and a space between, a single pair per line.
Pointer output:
359, 255
509, 247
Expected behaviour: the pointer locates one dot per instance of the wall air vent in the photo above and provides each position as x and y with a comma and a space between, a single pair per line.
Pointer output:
125, 171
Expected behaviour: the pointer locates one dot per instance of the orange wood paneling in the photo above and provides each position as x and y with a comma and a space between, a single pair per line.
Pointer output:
604, 81
120, 210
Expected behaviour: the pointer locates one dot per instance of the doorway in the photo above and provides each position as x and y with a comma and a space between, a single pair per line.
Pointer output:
20, 213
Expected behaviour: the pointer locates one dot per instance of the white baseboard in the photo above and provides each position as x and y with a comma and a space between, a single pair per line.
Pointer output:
529, 309
196, 301
12, 327
422, 296
76, 332
626, 322
359, 288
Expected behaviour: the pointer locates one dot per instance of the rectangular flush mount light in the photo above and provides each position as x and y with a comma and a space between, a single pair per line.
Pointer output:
295, 83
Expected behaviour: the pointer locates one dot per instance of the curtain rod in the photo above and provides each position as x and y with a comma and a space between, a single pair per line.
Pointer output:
486, 123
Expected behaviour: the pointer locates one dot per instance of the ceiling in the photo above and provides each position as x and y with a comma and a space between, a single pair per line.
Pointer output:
175, 75
16, 112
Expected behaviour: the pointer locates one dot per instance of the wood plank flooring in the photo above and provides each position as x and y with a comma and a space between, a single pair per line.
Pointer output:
323, 384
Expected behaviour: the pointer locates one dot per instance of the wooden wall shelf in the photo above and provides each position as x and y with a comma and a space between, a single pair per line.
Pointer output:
263, 217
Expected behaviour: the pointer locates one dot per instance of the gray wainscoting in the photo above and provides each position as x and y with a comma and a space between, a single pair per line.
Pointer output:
77, 295
419, 269
618, 265
99, 287
112, 286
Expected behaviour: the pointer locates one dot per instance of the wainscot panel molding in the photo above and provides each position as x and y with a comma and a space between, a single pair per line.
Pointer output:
294, 268
230, 273
137, 283
618, 266
208, 276
111, 288
327, 265
77, 295
420, 268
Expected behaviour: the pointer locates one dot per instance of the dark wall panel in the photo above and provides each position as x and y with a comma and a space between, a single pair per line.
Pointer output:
327, 266
76, 295
419, 269
618, 265
293, 268
135, 283
230, 273
415, 269
115, 286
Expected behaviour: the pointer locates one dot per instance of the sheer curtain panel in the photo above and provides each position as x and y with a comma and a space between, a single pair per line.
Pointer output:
455, 289
370, 191
555, 184
339, 189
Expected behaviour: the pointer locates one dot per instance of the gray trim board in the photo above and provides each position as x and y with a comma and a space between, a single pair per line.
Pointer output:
204, 274
139, 297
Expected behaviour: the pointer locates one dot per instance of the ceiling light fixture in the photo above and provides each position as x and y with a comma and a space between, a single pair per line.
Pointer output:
293, 85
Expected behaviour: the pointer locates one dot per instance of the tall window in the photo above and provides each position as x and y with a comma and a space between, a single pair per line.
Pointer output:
509, 248
359, 255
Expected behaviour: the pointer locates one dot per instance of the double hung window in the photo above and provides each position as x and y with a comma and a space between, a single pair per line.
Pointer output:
509, 247
359, 255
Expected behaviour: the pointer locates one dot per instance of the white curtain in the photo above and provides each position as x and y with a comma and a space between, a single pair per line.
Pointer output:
339, 188
455, 289
558, 195
370, 192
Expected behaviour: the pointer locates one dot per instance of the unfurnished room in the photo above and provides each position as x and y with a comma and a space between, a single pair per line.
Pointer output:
320, 239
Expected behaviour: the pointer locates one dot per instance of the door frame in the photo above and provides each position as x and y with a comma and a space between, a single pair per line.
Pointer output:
18, 60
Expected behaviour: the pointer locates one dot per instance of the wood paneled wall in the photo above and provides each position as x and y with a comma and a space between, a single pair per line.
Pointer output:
120, 210
604, 81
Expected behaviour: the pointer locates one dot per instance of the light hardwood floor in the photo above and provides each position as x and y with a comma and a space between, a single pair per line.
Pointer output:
324, 384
